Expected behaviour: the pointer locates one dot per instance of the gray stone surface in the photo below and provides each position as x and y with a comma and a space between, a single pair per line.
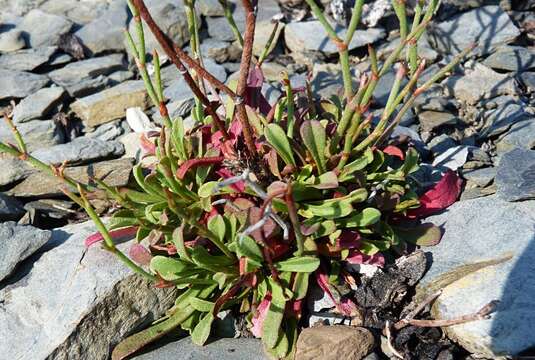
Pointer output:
298, 37
486, 254
220, 51
210, 8
515, 178
13, 169
511, 58
508, 111
37, 134
10, 208
28, 59
80, 150
39, 104
481, 177
84, 77
44, 29
441, 143
520, 135
19, 84
528, 79
106, 33
11, 40
221, 349
489, 26
74, 302
16, 244
432, 120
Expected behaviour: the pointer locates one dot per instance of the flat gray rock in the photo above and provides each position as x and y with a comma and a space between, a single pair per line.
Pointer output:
489, 26
221, 349
84, 77
511, 58
508, 112
17, 242
520, 135
11, 40
80, 150
44, 29
528, 79
210, 7
28, 59
515, 178
13, 169
481, 177
105, 33
10, 208
37, 134
38, 105
298, 37
432, 120
19, 84
74, 302
486, 254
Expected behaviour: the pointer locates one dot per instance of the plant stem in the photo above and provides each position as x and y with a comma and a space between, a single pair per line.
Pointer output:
290, 106
230, 19
292, 212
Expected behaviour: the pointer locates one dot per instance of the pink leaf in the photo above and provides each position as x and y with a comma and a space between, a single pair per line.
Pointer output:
356, 257
192, 163
140, 254
439, 197
349, 239
394, 151
225, 174
348, 307
260, 316
149, 148
126, 232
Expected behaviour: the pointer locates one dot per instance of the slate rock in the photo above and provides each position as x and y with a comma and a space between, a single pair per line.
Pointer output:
480, 82
508, 111
432, 120
37, 134
105, 33
486, 254
80, 150
38, 105
453, 158
297, 36
10, 208
528, 79
334, 342
44, 29
515, 178
489, 26
111, 104
16, 244
109, 131
13, 169
19, 84
76, 303
220, 51
441, 143
221, 349
84, 77
11, 40
79, 12
176, 109
520, 135
211, 7
511, 58
383, 87
263, 32
28, 59
481, 177
113, 173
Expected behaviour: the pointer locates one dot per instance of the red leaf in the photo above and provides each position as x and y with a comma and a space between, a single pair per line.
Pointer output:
183, 169
225, 174
349, 239
126, 232
394, 151
260, 316
439, 197
140, 254
323, 281
356, 257
149, 148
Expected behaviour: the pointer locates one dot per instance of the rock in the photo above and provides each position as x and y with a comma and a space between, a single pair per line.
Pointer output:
515, 178
19, 84
508, 111
105, 33
79, 12
263, 31
383, 87
432, 120
10, 208
84, 77
11, 40
111, 104
80, 150
210, 8
16, 244
43, 29
38, 105
37, 134
480, 177
220, 51
434, 99
489, 26
298, 39
441, 143
13, 169
176, 109
113, 173
478, 83
221, 349
28, 59
495, 263
49, 213
334, 342
424, 48
528, 79
453, 158
511, 58
109, 131
75, 302
520, 135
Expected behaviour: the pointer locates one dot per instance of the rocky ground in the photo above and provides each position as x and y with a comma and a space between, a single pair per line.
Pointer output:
65, 68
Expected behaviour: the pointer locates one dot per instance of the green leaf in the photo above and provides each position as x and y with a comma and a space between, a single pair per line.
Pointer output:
249, 248
423, 235
302, 264
366, 217
202, 330
328, 180
277, 138
216, 225
178, 241
214, 263
201, 304
275, 314
177, 136
411, 162
168, 268
300, 286
356, 165
206, 190
334, 208
313, 135
122, 218
141, 197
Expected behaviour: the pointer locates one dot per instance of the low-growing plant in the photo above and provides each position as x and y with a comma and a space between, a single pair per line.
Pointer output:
254, 202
